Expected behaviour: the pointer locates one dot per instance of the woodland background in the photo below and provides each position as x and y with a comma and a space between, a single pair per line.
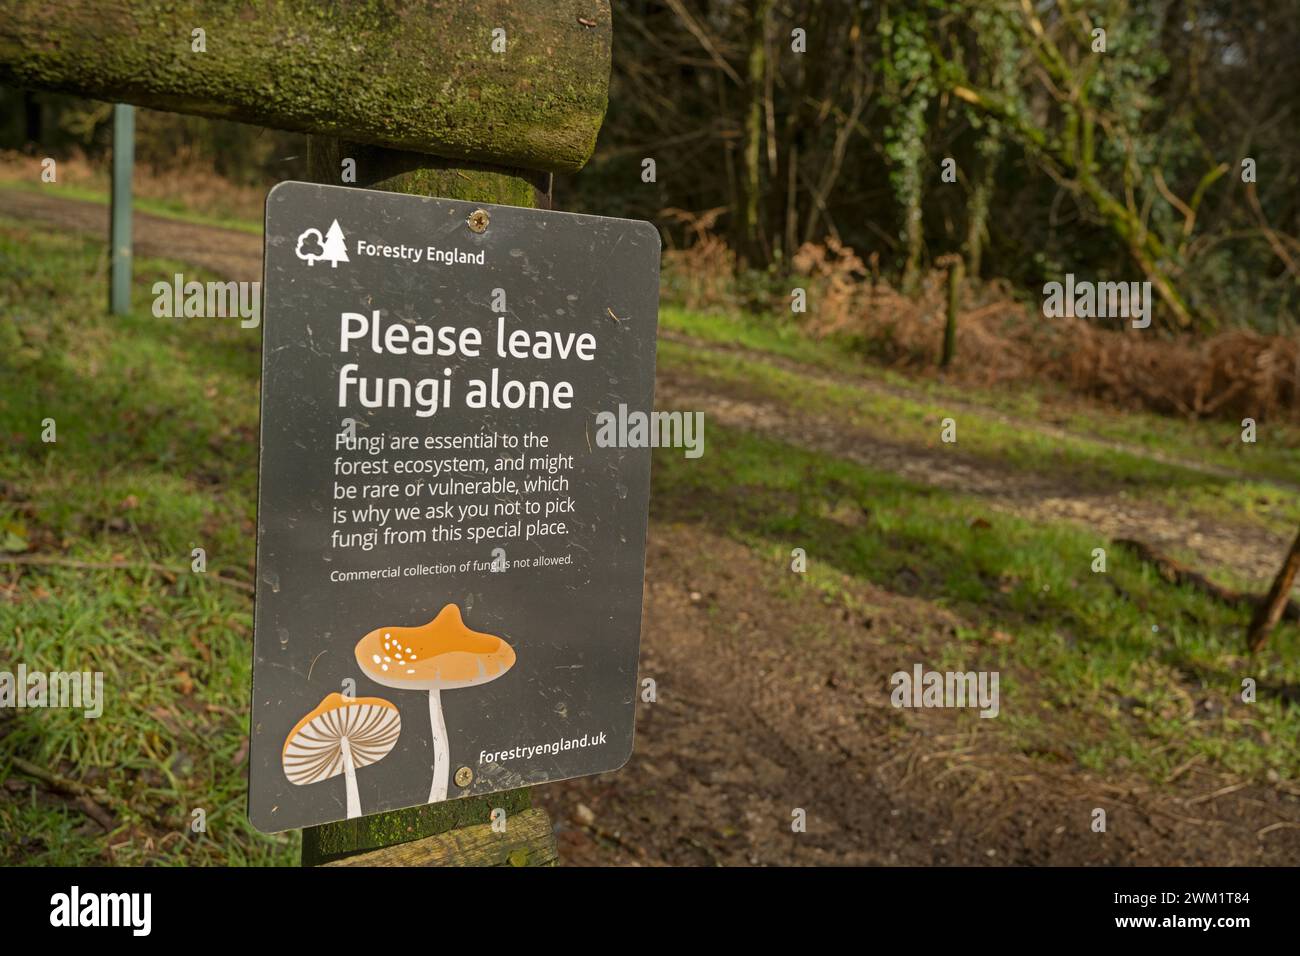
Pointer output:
825, 166
1125, 163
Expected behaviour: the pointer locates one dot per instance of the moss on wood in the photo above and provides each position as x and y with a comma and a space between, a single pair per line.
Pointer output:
405, 74
527, 841
335, 841
420, 175
441, 826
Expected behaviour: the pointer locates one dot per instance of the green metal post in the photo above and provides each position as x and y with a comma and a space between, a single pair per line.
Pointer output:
119, 296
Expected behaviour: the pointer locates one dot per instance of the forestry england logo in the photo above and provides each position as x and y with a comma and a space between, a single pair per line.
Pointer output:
331, 246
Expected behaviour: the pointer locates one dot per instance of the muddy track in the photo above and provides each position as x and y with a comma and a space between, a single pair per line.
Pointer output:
824, 377
227, 252
768, 703
1247, 550
1251, 552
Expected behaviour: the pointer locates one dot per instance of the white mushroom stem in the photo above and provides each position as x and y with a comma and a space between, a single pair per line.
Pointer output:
350, 776
441, 754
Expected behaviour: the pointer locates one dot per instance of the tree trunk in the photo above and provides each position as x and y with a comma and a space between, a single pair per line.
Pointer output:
977, 225
791, 202
955, 271
31, 119
749, 237
914, 240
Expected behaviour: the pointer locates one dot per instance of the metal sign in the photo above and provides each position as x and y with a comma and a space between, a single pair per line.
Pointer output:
451, 542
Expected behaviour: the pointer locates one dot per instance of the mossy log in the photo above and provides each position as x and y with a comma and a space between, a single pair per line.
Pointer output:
420, 175
419, 75
526, 841
333, 842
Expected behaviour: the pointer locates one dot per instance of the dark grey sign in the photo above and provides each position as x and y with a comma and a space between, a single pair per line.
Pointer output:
451, 525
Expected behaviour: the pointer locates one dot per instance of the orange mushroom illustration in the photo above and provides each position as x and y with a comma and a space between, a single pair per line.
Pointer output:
340, 736
441, 655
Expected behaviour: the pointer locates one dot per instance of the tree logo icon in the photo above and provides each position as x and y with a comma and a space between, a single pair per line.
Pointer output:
312, 246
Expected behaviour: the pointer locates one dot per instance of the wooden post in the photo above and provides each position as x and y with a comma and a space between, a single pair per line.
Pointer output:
956, 273
462, 100
455, 832
1269, 610
119, 237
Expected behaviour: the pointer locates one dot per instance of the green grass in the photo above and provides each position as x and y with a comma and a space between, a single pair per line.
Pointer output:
1079, 461
1115, 669
165, 208
1275, 454
156, 454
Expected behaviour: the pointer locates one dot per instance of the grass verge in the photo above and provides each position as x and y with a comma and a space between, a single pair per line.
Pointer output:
155, 456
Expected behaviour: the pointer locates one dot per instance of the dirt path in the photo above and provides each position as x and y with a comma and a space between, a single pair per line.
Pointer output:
822, 376
1251, 552
238, 255
722, 760
1247, 550
227, 252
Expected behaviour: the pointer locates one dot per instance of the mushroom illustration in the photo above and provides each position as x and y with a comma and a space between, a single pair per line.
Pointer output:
441, 655
338, 737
